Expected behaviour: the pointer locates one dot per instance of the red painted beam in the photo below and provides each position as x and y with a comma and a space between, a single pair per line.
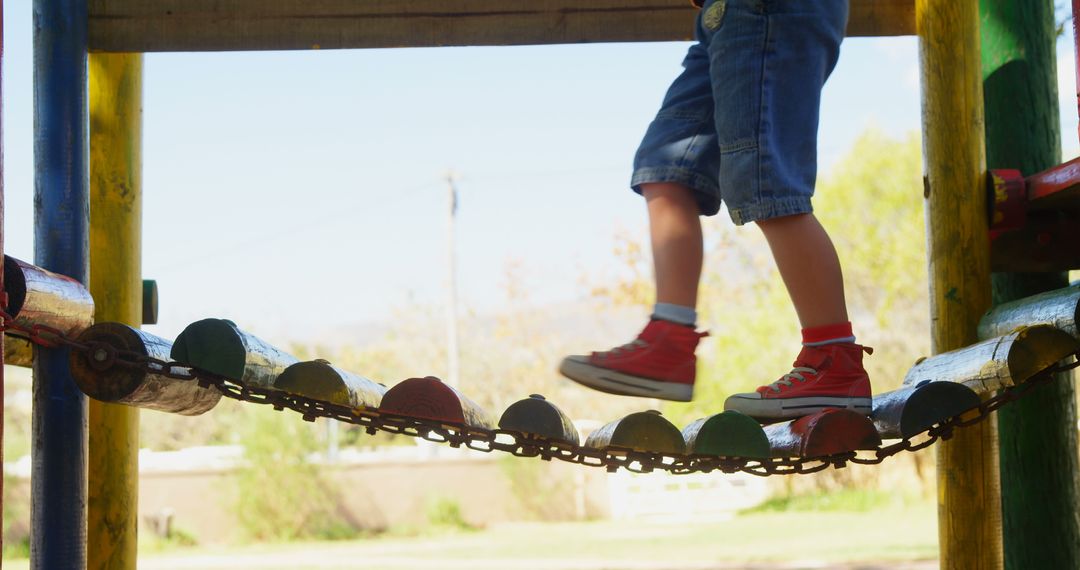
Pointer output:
1058, 187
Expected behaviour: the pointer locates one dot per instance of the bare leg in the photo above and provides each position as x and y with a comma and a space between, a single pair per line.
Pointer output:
675, 230
810, 268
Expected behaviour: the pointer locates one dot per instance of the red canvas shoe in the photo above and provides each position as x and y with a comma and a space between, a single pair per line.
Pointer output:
823, 377
660, 363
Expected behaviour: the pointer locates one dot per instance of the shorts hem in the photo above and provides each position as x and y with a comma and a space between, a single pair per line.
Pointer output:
768, 209
705, 189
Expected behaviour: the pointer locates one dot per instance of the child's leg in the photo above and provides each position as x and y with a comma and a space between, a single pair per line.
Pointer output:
810, 268
660, 362
675, 230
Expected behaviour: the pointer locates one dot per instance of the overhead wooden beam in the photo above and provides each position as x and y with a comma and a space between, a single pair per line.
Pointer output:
237, 25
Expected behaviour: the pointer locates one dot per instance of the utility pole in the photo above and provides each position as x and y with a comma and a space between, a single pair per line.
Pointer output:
452, 353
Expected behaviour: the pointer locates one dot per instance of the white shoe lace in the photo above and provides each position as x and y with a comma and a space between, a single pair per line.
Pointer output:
796, 374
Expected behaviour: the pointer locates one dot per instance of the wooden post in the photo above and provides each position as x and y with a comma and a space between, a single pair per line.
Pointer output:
61, 204
3, 301
1040, 476
969, 514
116, 285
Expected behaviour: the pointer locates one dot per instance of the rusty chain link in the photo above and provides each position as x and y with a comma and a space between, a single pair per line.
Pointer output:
517, 443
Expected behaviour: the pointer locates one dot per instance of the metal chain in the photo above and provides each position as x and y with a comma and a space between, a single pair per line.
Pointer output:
518, 443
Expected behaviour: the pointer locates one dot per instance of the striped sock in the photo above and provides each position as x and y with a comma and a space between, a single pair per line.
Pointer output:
677, 314
828, 334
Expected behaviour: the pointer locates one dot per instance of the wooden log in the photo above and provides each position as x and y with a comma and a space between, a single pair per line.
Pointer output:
912, 410
536, 416
997, 363
218, 346
116, 197
40, 297
223, 25
1059, 309
969, 496
824, 433
98, 376
431, 399
322, 381
642, 431
727, 434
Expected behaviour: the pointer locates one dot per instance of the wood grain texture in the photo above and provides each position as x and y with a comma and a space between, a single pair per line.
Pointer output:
227, 25
969, 495
1040, 465
115, 91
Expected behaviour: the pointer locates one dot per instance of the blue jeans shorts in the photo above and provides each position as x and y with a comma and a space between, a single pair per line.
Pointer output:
739, 125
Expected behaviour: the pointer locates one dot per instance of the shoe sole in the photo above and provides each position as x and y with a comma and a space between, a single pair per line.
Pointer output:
791, 408
621, 384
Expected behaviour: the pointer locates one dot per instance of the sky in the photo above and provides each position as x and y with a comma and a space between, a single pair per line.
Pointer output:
294, 192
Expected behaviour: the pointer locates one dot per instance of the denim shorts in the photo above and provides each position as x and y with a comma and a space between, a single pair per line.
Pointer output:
739, 125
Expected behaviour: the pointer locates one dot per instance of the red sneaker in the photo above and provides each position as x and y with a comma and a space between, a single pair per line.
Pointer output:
823, 377
660, 363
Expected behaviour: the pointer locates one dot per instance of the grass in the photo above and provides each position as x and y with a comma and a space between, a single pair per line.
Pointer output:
888, 532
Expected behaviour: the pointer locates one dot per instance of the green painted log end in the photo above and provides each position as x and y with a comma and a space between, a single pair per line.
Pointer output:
213, 345
727, 434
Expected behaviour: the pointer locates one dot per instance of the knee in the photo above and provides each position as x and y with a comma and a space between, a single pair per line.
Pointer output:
667, 191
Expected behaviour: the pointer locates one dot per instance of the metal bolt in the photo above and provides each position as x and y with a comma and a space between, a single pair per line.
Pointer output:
101, 355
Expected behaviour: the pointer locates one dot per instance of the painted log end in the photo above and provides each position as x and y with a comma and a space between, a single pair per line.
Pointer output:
95, 372
149, 302
1037, 349
727, 434
431, 399
536, 416
642, 431
912, 410
824, 433
319, 380
213, 345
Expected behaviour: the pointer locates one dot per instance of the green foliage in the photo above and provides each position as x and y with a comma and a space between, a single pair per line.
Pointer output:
178, 538
444, 513
844, 500
281, 494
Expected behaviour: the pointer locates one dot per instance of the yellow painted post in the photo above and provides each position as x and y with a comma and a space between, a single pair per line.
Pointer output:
116, 284
969, 493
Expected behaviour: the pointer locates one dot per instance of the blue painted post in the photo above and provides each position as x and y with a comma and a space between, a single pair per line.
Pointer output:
61, 222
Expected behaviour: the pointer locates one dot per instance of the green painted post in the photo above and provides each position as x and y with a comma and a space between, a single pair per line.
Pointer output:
1040, 480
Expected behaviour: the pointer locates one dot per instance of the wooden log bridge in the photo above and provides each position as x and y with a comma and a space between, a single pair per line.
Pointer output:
1030, 337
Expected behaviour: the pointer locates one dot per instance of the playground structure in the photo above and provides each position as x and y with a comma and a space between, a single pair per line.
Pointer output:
87, 250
